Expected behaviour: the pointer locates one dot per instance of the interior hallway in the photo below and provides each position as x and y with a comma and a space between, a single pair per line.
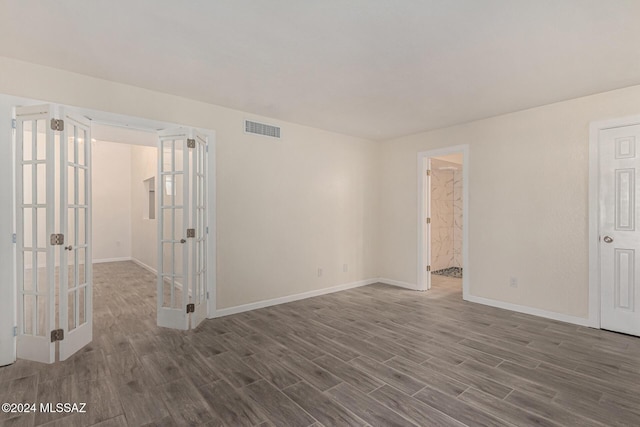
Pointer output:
375, 355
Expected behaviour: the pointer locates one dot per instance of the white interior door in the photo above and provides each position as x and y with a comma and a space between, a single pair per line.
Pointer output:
198, 290
53, 233
182, 229
427, 226
619, 234
76, 277
173, 220
35, 223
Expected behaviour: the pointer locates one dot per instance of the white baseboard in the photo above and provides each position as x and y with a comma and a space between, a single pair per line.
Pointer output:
100, 261
398, 283
530, 310
504, 305
145, 266
290, 298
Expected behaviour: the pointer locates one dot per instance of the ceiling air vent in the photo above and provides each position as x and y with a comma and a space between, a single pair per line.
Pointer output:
261, 129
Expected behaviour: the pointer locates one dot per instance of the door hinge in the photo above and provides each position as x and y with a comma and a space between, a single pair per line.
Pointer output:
207, 148
15, 331
428, 220
191, 232
57, 239
428, 268
57, 335
191, 143
428, 172
14, 238
14, 123
191, 308
57, 124
207, 229
207, 294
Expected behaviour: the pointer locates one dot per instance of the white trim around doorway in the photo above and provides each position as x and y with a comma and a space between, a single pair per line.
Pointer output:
422, 156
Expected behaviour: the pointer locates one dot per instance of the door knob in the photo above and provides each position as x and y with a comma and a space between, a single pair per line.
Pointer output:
183, 241
607, 239
68, 248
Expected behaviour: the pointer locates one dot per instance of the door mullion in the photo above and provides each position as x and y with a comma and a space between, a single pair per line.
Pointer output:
74, 251
174, 186
186, 200
50, 227
63, 271
34, 225
88, 235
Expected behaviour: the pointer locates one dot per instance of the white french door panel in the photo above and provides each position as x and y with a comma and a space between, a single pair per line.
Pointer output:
53, 233
173, 220
198, 291
182, 228
35, 216
76, 277
619, 150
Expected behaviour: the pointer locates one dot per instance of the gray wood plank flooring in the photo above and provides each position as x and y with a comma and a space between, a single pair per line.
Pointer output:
376, 355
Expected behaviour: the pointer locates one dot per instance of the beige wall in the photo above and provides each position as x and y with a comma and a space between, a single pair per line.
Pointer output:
528, 184
111, 196
287, 208
144, 165
284, 207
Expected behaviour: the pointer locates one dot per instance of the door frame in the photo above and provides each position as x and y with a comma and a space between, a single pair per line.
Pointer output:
594, 207
422, 214
155, 126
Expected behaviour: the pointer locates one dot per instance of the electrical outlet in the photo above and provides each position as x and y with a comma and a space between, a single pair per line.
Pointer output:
319, 272
345, 268
513, 282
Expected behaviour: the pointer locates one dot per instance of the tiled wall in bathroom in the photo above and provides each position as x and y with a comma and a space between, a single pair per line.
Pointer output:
446, 215
457, 218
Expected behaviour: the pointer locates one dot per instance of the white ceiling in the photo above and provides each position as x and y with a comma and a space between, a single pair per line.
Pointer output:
371, 68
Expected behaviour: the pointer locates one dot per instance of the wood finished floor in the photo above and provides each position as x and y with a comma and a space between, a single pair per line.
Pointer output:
376, 355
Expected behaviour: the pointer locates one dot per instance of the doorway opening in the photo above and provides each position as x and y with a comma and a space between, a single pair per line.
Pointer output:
443, 220
446, 221
57, 242
124, 240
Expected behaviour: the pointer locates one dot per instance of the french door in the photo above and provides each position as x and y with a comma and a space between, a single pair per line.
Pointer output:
182, 229
53, 233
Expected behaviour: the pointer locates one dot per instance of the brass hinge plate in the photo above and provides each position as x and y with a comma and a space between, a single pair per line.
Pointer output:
428, 172
428, 268
57, 124
191, 308
57, 335
428, 220
57, 239
191, 232
191, 143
